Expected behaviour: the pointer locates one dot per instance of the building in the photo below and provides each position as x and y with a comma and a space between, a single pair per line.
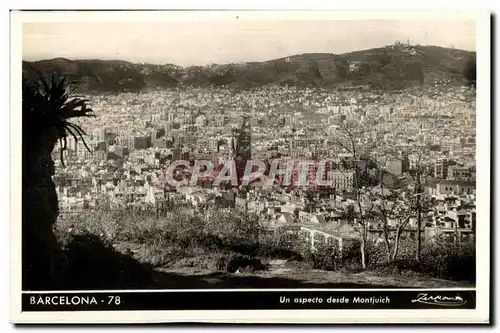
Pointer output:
241, 204
169, 116
176, 154
200, 120
460, 173
82, 152
242, 147
142, 142
71, 143
161, 143
341, 180
398, 166
126, 141
156, 118
101, 146
441, 168
452, 187
99, 134
118, 150
285, 218
213, 144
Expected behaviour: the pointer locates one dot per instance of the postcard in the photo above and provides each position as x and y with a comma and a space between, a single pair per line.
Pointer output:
250, 167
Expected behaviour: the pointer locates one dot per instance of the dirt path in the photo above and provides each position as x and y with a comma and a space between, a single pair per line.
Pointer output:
278, 275
282, 274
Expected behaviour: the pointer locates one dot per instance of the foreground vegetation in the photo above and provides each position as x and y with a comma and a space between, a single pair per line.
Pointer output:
114, 249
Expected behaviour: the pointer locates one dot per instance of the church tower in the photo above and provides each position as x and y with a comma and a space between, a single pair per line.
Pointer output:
242, 146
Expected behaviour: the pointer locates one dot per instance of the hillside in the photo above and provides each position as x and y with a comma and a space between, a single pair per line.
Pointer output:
390, 67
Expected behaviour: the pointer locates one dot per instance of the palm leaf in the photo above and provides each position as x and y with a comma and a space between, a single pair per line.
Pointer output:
49, 103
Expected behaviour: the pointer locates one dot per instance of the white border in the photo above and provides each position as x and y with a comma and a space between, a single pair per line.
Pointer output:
480, 314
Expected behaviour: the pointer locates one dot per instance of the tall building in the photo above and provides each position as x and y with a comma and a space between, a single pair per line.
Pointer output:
154, 134
82, 151
213, 144
71, 143
169, 116
156, 118
441, 168
99, 134
242, 146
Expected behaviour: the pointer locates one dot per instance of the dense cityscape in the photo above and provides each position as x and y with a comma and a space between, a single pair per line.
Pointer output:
423, 132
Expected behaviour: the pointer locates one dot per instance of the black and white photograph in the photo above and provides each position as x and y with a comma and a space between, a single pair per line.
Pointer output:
172, 165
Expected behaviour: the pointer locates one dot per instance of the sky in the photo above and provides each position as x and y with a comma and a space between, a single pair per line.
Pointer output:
187, 43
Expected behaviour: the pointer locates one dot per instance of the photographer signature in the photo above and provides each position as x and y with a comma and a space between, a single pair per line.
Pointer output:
439, 300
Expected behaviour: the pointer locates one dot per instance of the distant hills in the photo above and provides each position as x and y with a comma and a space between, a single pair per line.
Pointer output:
391, 67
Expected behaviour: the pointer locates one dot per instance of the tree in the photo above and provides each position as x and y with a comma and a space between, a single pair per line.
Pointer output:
388, 206
48, 105
395, 214
418, 200
394, 208
354, 138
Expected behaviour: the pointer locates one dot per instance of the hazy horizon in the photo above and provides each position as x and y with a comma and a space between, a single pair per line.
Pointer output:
218, 63
220, 42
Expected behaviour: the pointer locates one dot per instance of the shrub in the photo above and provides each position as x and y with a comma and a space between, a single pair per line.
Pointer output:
376, 254
446, 260
237, 261
287, 246
168, 239
326, 258
441, 259
236, 239
351, 253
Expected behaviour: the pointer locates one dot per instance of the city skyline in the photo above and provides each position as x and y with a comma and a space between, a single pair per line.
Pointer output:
222, 42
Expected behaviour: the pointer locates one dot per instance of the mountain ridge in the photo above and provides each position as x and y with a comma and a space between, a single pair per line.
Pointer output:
389, 67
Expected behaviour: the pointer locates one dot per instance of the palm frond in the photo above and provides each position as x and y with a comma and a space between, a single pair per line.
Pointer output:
50, 103
80, 132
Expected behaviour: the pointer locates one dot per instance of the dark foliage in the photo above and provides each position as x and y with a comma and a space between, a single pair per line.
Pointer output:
92, 263
470, 71
447, 260
51, 104
48, 105
326, 258
239, 262
384, 58
442, 260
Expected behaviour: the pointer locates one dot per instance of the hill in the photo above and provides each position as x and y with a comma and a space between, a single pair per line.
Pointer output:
391, 67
